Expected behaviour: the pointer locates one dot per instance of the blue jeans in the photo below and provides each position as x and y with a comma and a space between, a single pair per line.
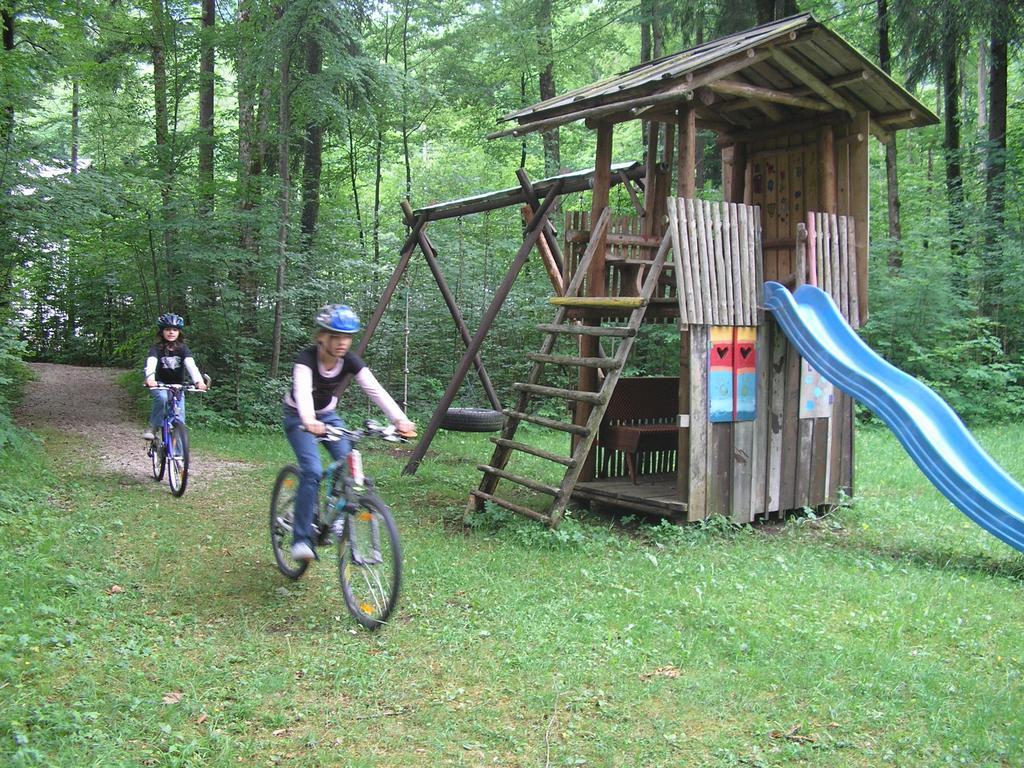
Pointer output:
161, 402
311, 469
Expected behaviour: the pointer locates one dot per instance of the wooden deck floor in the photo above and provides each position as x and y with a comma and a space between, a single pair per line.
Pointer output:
655, 494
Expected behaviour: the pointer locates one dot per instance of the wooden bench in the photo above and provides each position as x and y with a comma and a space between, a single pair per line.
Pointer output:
641, 416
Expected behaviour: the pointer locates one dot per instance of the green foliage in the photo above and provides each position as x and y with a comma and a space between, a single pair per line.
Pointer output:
14, 374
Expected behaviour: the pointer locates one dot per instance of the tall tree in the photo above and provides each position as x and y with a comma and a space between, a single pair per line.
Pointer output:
164, 152
313, 144
545, 52
894, 257
284, 128
206, 93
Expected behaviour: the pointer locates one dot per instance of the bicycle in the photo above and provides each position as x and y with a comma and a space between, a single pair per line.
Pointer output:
169, 450
350, 512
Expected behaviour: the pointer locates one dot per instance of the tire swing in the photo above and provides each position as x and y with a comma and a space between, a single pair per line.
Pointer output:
472, 419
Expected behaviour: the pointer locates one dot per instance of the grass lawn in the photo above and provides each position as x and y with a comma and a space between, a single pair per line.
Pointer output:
139, 629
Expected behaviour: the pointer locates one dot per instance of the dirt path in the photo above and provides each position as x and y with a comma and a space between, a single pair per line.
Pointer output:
88, 402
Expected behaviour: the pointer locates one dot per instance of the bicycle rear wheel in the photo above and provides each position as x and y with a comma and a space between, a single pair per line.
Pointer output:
370, 562
177, 461
156, 454
282, 517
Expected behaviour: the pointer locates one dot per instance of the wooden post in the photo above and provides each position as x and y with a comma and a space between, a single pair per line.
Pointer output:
549, 238
533, 231
687, 152
827, 192
550, 265
599, 201
737, 185
595, 280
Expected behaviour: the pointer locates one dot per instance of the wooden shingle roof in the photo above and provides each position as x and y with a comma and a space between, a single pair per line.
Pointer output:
772, 74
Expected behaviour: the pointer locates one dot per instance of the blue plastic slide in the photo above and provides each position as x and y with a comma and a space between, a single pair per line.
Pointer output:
927, 427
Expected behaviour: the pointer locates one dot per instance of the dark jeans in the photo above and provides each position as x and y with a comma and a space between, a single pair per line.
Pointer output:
308, 453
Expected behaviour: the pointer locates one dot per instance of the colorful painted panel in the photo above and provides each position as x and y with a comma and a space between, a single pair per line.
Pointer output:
745, 368
816, 394
732, 374
721, 396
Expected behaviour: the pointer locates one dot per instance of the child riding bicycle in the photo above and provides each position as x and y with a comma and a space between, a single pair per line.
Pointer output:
168, 360
309, 406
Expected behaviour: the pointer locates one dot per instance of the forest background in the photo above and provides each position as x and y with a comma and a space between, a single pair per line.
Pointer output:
242, 163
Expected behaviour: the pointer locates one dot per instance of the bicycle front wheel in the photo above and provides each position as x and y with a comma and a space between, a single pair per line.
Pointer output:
282, 519
177, 461
370, 562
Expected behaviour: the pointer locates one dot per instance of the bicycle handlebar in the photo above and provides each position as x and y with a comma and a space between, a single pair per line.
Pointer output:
181, 387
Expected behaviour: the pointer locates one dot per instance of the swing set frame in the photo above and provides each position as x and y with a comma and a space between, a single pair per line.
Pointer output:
538, 198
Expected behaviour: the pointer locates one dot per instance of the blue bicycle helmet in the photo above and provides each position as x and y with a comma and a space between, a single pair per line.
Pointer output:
338, 318
170, 320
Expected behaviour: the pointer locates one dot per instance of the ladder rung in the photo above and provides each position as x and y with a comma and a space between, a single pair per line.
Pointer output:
566, 394
524, 448
526, 482
587, 330
512, 507
609, 363
540, 421
598, 302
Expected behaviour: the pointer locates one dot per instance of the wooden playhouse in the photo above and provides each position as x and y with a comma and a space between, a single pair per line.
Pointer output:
745, 429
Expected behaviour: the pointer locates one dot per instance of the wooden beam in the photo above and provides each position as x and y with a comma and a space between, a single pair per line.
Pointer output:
554, 274
746, 90
843, 81
687, 152
812, 81
895, 118
599, 201
681, 92
548, 236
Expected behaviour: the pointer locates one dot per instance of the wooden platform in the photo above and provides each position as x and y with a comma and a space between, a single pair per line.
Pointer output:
655, 494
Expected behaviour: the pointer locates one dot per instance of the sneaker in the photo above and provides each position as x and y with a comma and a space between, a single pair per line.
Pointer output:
148, 434
302, 551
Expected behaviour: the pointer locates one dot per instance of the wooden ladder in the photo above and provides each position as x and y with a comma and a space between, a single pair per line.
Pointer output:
506, 445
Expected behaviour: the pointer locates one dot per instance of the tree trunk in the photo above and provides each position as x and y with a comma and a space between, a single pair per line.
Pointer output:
75, 102
353, 168
165, 166
894, 258
995, 172
249, 168
313, 148
993, 272
951, 146
552, 153
284, 128
206, 87
7, 115
405, 101
982, 82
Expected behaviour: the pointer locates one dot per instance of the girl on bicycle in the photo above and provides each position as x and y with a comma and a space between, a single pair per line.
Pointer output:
166, 363
309, 406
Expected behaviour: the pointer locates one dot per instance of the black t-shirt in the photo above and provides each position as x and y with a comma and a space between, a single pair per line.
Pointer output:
170, 363
324, 386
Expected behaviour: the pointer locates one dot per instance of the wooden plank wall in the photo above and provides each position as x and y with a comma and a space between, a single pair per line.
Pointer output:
715, 245
834, 239
778, 462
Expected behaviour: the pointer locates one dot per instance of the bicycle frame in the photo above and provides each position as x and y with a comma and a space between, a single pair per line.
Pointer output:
354, 484
172, 413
